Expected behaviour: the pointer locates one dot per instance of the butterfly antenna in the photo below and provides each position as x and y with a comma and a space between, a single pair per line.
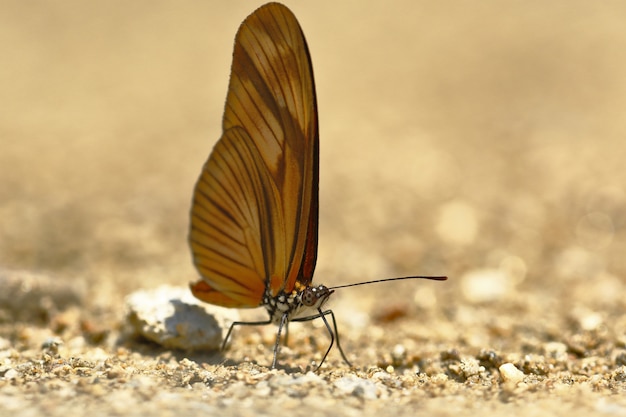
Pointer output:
442, 278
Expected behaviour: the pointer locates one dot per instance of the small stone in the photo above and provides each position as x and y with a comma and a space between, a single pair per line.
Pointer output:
175, 319
470, 366
381, 376
289, 380
489, 358
619, 375
439, 379
556, 350
115, 372
359, 387
591, 321
450, 355
11, 374
510, 373
51, 345
398, 354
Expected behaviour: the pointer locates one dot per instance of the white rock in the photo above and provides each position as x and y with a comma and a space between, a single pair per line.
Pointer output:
175, 319
11, 374
591, 321
281, 380
510, 373
556, 350
470, 366
359, 387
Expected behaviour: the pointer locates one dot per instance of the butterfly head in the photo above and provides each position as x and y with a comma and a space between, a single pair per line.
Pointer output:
315, 297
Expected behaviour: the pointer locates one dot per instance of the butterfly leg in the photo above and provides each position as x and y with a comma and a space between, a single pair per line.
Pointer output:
283, 323
322, 315
242, 323
332, 334
286, 334
343, 355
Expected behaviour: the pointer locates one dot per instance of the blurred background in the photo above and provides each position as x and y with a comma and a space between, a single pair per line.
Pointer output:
481, 140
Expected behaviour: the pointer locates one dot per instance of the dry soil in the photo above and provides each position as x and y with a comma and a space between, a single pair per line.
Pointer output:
481, 140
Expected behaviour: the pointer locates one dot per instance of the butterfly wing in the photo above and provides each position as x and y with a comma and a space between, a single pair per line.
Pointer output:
255, 206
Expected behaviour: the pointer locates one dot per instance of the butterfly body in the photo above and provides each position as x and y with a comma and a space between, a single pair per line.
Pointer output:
295, 304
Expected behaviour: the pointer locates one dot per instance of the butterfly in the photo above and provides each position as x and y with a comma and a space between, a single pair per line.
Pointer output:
254, 215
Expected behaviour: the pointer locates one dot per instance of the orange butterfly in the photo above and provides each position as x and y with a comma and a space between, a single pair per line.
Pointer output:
254, 214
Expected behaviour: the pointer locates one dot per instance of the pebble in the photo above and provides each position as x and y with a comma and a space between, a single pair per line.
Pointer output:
173, 318
470, 367
510, 373
11, 374
359, 387
289, 380
556, 350
591, 321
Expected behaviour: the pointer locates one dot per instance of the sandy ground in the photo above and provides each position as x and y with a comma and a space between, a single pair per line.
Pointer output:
481, 140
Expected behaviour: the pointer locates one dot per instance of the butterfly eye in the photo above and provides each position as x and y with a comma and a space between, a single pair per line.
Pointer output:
315, 296
308, 297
